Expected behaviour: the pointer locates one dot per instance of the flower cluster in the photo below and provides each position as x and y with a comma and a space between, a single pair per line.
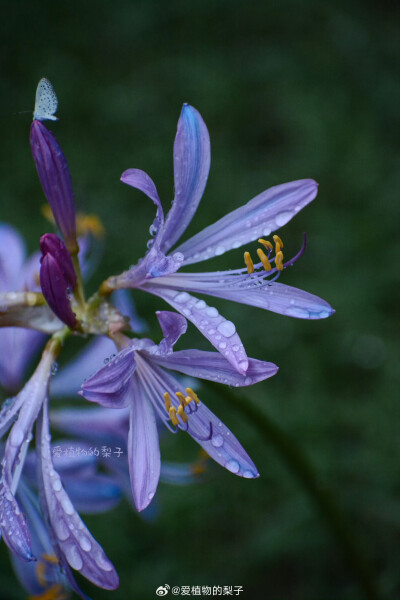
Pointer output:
144, 383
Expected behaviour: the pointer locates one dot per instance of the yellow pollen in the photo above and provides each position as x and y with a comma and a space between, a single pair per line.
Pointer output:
263, 257
248, 262
50, 558
89, 223
182, 414
47, 212
192, 395
56, 592
265, 243
277, 240
167, 400
181, 398
172, 415
279, 261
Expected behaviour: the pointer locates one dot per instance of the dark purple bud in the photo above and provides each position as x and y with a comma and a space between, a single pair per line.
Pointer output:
55, 289
56, 181
50, 243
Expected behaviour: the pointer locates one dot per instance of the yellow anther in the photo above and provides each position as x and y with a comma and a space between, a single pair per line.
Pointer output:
277, 240
192, 395
89, 224
181, 398
167, 400
248, 262
56, 592
50, 558
181, 413
172, 415
41, 573
265, 243
47, 212
279, 261
263, 257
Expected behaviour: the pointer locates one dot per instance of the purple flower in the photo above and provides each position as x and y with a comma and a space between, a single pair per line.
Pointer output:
55, 178
57, 277
17, 273
256, 286
137, 378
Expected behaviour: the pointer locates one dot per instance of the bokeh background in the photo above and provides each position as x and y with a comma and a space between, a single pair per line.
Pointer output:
288, 90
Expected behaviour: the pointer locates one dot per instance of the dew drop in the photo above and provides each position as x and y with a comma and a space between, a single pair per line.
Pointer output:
232, 466
150, 495
211, 331
73, 557
222, 345
266, 231
85, 543
200, 304
283, 217
57, 485
248, 474
182, 297
217, 440
219, 250
67, 505
295, 311
248, 381
103, 563
212, 312
227, 328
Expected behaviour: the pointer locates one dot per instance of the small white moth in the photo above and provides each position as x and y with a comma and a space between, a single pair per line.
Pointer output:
46, 101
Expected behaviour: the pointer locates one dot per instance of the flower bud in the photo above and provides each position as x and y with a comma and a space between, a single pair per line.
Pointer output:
57, 277
56, 181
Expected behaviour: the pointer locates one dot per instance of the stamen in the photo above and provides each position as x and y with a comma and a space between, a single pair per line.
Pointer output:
167, 400
248, 262
265, 243
264, 259
172, 415
181, 398
182, 414
279, 261
56, 592
277, 240
192, 395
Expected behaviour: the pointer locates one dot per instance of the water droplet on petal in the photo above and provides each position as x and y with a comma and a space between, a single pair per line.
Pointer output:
212, 312
217, 440
222, 345
283, 217
200, 304
182, 297
150, 495
227, 328
85, 543
57, 485
219, 250
248, 474
73, 557
232, 466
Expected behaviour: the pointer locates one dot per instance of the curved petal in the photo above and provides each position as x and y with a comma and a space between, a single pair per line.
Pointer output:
141, 181
214, 367
265, 213
173, 325
24, 309
68, 380
276, 297
14, 528
220, 332
191, 167
78, 546
92, 494
12, 256
206, 428
143, 448
109, 386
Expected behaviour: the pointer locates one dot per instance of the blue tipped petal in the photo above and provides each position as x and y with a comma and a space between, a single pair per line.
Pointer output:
191, 168
265, 213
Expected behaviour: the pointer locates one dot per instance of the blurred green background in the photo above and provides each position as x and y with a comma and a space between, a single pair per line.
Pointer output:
288, 90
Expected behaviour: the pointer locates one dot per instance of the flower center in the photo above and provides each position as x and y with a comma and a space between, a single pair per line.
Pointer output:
184, 401
265, 258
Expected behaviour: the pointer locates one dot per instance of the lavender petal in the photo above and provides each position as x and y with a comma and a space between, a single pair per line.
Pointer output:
109, 386
92, 494
276, 297
12, 256
143, 448
191, 167
220, 332
141, 181
173, 325
78, 546
14, 528
210, 433
264, 214
214, 367
19, 309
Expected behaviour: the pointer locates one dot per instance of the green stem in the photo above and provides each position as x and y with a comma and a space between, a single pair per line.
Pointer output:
323, 499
